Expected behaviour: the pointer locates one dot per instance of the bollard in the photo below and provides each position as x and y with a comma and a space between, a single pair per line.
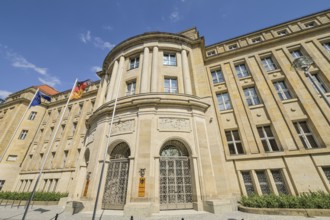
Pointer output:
132, 217
56, 216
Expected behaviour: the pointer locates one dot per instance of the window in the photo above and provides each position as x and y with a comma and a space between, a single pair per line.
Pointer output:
326, 171
32, 116
267, 139
248, 182
305, 135
251, 96
53, 157
282, 90
171, 85
217, 76
296, 54
130, 89
327, 46
310, 24
319, 82
81, 105
134, 63
263, 182
279, 182
169, 59
74, 127
65, 157
268, 64
224, 101
62, 130
282, 33
234, 142
232, 47
241, 70
23, 134
211, 53
256, 40
12, 158
2, 182
51, 131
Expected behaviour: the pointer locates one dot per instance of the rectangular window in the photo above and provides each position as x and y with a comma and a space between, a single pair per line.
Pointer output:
296, 54
65, 157
263, 182
211, 53
267, 139
171, 85
241, 70
251, 96
326, 171
234, 142
169, 59
32, 116
134, 63
2, 182
310, 24
282, 33
23, 134
279, 182
256, 40
282, 90
74, 128
62, 130
248, 182
232, 47
53, 157
12, 158
319, 82
305, 135
224, 101
81, 105
268, 64
327, 46
130, 88
217, 76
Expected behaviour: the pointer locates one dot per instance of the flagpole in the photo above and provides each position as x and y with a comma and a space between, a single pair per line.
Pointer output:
48, 151
105, 151
19, 124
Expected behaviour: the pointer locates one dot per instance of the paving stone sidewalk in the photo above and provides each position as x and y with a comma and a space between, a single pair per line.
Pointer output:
49, 212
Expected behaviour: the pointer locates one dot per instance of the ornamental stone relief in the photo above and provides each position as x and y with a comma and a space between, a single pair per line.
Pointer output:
174, 124
123, 127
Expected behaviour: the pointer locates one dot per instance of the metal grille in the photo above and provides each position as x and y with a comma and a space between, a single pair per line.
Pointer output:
278, 179
175, 183
116, 184
248, 182
263, 182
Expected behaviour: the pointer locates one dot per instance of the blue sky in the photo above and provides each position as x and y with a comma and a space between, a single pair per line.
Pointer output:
57, 41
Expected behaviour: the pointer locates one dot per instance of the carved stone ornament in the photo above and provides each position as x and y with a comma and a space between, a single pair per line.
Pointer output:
123, 127
174, 124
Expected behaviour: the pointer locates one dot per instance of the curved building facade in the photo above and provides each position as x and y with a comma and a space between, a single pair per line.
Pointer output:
194, 126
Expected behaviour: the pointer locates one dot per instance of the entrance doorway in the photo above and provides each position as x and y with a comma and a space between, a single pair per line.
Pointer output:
175, 177
117, 177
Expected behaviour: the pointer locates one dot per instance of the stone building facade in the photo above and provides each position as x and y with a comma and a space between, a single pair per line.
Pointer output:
195, 126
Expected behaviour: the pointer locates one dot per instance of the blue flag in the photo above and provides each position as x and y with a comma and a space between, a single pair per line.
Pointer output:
37, 99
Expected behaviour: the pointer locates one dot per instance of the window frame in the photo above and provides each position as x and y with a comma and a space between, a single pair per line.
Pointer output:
296, 53
253, 96
226, 103
129, 85
217, 76
169, 59
282, 90
326, 46
23, 134
304, 135
242, 72
171, 89
320, 82
233, 142
267, 139
269, 64
32, 115
134, 62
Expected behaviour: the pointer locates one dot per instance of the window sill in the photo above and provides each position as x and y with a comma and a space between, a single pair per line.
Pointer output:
256, 106
273, 71
226, 111
289, 100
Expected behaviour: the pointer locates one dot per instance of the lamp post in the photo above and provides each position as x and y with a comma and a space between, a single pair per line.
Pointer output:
304, 63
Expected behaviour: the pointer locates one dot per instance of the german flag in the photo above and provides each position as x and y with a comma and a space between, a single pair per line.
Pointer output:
80, 88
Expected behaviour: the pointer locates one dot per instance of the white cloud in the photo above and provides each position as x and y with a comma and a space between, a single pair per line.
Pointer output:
96, 41
20, 62
86, 37
175, 16
96, 68
4, 94
49, 80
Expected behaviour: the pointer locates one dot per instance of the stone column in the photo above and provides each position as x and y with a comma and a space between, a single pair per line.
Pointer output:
186, 74
144, 77
101, 94
112, 81
154, 73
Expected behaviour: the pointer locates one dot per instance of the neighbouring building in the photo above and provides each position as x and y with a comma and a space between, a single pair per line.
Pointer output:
195, 126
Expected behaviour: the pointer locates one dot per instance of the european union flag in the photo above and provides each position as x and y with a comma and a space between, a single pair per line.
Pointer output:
37, 99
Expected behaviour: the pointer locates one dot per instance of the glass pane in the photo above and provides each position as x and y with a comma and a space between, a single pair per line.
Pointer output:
273, 145
268, 131
265, 145
304, 127
261, 133
228, 136
232, 148
312, 141
236, 135
239, 148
